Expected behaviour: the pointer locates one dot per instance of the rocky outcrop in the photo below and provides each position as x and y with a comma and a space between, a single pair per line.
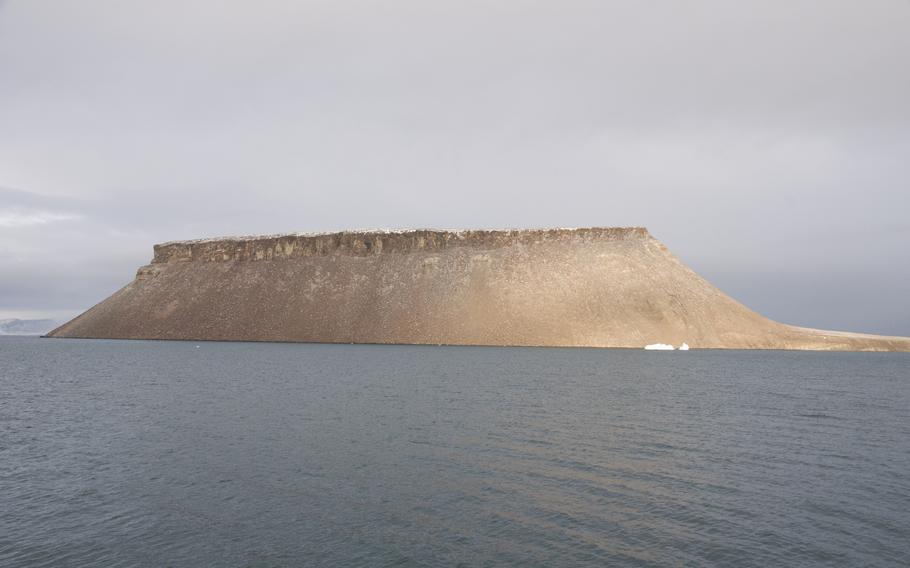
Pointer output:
597, 287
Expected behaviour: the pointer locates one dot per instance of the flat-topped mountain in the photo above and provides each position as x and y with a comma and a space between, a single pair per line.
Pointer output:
597, 287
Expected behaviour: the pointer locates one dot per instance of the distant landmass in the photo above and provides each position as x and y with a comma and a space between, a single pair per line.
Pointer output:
592, 287
26, 326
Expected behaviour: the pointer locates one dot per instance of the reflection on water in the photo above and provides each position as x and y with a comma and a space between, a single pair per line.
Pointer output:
156, 453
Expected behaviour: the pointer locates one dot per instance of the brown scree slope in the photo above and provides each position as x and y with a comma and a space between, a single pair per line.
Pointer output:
599, 287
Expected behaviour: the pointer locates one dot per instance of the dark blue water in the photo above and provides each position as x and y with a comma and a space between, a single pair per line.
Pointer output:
118, 453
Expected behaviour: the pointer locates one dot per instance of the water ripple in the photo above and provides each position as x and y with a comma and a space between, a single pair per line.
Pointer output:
160, 454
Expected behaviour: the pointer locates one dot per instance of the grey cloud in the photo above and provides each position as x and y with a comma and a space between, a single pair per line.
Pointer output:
21, 217
764, 142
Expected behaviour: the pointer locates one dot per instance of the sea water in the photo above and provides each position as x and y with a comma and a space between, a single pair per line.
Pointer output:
135, 453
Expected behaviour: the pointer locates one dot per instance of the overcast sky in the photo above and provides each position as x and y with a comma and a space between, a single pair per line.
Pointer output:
766, 143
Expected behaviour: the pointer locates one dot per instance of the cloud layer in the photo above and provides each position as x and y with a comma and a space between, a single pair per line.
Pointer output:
14, 217
765, 142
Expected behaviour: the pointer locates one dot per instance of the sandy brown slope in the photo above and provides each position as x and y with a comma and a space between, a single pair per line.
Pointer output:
562, 287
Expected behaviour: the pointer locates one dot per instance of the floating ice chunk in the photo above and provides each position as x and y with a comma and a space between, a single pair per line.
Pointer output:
659, 347
684, 347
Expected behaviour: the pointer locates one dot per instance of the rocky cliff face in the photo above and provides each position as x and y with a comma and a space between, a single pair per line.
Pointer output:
599, 287
371, 243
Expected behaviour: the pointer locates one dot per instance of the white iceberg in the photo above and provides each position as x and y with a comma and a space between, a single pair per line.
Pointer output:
684, 347
659, 347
